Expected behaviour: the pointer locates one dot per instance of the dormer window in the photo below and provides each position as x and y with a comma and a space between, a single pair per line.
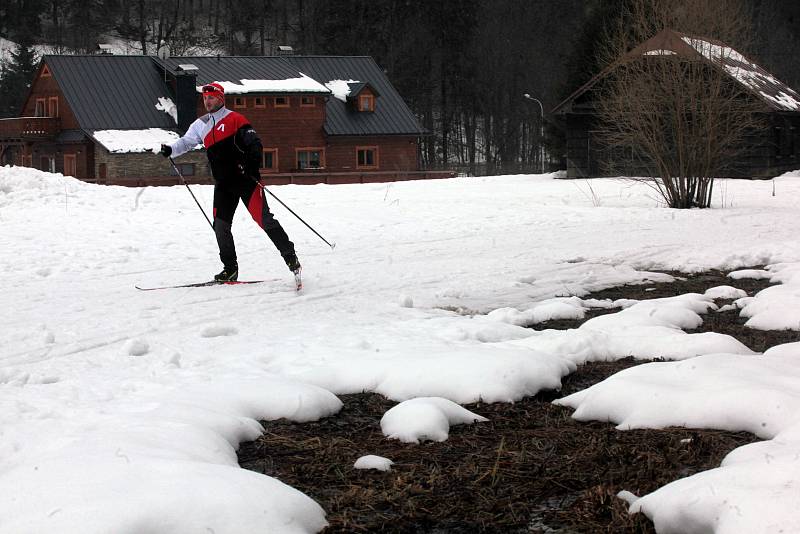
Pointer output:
366, 103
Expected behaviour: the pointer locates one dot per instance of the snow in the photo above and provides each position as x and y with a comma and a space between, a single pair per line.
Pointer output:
166, 105
124, 141
775, 307
370, 461
303, 84
425, 418
121, 410
340, 88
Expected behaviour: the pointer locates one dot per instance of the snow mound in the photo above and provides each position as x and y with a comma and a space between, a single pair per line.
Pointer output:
425, 418
776, 307
370, 461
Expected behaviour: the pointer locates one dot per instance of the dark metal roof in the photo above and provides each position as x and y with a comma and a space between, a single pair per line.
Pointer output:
237, 68
391, 116
71, 136
774, 93
94, 87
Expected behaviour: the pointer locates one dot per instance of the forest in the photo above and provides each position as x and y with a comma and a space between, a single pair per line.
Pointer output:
463, 66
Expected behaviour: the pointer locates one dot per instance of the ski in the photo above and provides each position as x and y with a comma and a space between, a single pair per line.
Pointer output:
202, 284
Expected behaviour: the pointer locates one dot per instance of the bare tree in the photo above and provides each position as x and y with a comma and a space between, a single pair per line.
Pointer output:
672, 107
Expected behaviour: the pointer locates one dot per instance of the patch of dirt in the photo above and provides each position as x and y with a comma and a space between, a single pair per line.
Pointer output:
531, 468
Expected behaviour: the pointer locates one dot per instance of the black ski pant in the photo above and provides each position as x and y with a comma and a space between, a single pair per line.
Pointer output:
226, 198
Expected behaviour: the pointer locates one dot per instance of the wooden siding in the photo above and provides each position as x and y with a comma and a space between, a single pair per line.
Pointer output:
765, 153
46, 87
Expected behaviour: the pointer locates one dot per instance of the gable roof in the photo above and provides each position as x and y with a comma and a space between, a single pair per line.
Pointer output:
775, 94
357, 87
94, 86
391, 116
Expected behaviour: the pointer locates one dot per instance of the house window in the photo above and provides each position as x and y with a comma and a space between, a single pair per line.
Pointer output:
281, 101
258, 102
269, 160
308, 101
48, 163
70, 165
239, 102
45, 72
310, 158
187, 169
367, 157
366, 103
52, 106
41, 109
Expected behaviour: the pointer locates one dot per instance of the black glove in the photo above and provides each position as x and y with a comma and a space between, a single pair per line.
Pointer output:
166, 151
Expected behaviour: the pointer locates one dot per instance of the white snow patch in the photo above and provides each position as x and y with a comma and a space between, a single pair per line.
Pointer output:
166, 105
124, 141
425, 418
340, 88
303, 84
754, 274
725, 292
370, 461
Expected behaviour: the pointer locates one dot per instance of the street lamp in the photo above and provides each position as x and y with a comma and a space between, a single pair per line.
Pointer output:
541, 131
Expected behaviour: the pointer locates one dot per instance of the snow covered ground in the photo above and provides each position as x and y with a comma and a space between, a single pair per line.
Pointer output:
120, 410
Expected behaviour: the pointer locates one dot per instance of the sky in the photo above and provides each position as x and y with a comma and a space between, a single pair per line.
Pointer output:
121, 410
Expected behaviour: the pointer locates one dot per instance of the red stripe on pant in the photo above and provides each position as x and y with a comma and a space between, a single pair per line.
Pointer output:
256, 207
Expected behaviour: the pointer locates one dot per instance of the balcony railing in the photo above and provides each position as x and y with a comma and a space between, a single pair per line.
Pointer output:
30, 127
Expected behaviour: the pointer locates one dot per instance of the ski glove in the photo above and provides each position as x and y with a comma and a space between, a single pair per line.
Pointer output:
166, 151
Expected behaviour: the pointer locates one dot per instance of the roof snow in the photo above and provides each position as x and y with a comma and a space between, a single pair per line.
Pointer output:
304, 84
167, 106
340, 88
747, 73
125, 141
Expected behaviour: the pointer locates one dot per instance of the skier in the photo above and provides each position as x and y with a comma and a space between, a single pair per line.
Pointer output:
234, 155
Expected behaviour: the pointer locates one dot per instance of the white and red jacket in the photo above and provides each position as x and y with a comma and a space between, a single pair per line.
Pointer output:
232, 145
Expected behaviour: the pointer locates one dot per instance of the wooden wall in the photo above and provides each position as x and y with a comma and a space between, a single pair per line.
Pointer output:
765, 153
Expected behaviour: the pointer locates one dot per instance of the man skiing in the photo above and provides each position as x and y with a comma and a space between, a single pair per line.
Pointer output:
234, 155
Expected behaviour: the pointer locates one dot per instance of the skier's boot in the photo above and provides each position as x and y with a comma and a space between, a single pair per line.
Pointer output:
294, 265
229, 274
292, 262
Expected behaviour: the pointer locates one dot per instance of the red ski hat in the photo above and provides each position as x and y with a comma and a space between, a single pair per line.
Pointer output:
215, 90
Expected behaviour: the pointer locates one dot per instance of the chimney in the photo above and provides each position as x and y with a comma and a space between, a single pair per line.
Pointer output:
285, 50
186, 95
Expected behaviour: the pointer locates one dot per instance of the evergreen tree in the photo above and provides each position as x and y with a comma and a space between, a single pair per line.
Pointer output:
15, 79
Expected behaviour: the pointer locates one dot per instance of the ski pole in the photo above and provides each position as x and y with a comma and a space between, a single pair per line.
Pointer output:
183, 180
262, 186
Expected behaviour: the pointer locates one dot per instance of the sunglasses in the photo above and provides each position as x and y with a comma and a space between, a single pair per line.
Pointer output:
210, 89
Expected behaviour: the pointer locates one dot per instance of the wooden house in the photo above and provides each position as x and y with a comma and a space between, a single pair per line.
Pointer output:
320, 118
771, 151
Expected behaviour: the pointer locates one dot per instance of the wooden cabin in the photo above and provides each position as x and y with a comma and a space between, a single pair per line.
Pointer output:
770, 152
321, 119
